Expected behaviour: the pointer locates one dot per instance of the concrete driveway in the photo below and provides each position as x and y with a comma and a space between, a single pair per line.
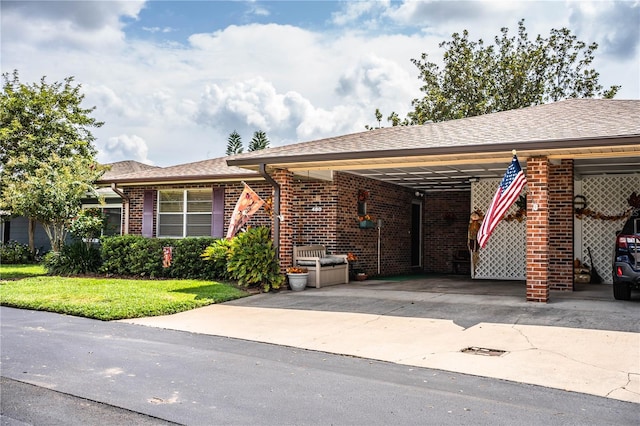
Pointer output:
583, 341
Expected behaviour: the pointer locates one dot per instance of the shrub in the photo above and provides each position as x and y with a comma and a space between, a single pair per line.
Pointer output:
217, 255
187, 262
135, 255
15, 253
74, 258
145, 257
253, 261
115, 254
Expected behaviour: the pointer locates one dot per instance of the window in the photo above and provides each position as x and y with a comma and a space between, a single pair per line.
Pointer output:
184, 213
113, 221
112, 217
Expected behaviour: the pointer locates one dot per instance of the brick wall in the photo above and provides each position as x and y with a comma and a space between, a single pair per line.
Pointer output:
446, 223
561, 226
320, 212
231, 194
389, 203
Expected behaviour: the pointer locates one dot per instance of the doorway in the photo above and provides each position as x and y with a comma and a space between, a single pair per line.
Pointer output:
416, 234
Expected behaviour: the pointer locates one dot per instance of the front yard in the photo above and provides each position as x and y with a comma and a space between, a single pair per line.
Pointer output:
28, 287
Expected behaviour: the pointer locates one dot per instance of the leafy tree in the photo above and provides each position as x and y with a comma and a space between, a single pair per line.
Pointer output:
52, 193
234, 144
44, 136
259, 141
516, 72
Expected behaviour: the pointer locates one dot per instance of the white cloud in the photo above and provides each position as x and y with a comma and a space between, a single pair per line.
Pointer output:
67, 25
124, 147
174, 103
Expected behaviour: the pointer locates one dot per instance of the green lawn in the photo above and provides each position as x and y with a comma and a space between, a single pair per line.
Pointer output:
26, 286
13, 272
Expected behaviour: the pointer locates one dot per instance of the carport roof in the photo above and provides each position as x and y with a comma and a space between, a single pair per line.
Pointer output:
601, 135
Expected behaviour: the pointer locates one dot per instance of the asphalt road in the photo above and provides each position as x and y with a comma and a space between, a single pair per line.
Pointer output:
91, 372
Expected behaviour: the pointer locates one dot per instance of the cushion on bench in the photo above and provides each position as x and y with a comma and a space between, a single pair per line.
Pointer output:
324, 261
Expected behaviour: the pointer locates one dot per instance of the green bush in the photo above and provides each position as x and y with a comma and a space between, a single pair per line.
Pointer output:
75, 258
145, 258
115, 254
187, 262
253, 260
15, 253
217, 255
135, 255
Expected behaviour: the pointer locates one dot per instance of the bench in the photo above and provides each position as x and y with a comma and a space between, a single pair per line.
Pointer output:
324, 269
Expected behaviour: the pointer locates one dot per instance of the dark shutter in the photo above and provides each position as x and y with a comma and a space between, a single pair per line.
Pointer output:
147, 213
217, 213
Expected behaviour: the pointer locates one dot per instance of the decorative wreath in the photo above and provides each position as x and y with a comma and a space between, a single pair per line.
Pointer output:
579, 202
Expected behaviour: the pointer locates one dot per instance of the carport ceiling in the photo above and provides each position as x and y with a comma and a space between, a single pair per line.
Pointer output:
459, 177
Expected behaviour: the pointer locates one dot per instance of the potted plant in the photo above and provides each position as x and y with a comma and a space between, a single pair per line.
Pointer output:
366, 221
297, 277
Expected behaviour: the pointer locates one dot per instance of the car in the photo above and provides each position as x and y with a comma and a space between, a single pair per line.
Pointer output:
626, 259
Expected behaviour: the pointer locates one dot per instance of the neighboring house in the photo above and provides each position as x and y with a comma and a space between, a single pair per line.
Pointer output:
16, 228
420, 184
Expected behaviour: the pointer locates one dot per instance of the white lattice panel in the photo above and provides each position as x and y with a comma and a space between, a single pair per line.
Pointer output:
505, 255
607, 195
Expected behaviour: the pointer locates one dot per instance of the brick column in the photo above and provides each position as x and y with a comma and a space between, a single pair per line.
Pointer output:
561, 226
285, 179
538, 229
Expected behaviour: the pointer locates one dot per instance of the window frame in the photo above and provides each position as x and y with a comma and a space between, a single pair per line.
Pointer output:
184, 212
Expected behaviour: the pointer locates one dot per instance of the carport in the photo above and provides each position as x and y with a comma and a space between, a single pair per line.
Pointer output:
559, 145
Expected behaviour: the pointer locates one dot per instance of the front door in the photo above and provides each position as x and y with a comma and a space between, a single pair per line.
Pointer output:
416, 233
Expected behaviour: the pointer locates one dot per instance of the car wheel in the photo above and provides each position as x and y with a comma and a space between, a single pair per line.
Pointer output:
621, 291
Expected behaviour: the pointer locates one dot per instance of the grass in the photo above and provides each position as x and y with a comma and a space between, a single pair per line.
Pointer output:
14, 272
23, 286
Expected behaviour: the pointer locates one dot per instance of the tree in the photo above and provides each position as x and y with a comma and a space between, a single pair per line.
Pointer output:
234, 144
259, 141
43, 127
514, 73
52, 192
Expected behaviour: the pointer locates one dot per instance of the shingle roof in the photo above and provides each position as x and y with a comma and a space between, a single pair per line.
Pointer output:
568, 120
566, 124
125, 167
209, 170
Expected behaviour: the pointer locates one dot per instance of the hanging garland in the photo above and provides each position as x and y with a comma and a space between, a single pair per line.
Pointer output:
580, 209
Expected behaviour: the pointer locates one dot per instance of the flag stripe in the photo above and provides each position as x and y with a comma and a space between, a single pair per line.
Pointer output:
506, 194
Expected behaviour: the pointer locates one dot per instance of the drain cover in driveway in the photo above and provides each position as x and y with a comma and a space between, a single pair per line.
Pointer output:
483, 351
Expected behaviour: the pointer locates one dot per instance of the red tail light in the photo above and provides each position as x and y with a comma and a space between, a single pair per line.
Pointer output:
619, 271
622, 241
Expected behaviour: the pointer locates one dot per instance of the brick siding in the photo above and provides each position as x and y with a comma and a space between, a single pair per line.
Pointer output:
561, 226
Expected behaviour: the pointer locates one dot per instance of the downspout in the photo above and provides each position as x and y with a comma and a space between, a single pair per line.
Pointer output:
125, 207
276, 206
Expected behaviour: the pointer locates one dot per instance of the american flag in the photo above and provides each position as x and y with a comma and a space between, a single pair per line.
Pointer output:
507, 193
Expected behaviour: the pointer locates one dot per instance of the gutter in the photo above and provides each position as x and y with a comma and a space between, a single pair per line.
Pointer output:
276, 207
126, 200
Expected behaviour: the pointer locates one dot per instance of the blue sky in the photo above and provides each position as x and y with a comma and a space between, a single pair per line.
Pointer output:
171, 80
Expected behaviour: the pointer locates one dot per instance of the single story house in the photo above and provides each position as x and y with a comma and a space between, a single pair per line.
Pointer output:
418, 185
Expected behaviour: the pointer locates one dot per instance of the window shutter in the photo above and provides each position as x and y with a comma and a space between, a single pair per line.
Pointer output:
147, 213
217, 213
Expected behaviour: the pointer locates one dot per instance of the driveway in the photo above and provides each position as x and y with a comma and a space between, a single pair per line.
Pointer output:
582, 341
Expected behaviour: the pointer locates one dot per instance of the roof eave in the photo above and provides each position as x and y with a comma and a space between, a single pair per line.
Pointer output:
532, 146
181, 179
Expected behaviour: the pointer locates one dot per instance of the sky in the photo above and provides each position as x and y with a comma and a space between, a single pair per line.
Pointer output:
172, 79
